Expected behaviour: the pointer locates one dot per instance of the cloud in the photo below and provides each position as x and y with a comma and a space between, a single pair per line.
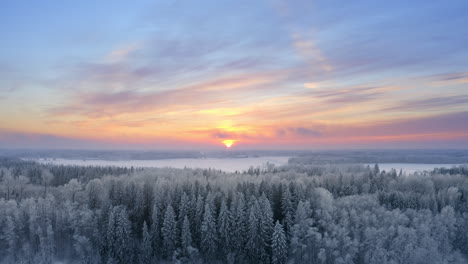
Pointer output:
306, 132
442, 102
122, 53
207, 93
450, 123
219, 134
308, 49
12, 139
351, 94
297, 131
223, 135
452, 76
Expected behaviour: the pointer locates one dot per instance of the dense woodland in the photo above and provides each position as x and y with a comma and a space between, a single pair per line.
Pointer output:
297, 213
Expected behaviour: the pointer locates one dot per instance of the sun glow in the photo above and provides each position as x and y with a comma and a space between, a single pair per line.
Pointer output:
229, 142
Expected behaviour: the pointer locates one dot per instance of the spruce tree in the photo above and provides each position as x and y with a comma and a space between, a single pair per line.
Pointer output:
224, 227
155, 230
118, 236
186, 236
146, 248
279, 245
10, 236
266, 227
254, 246
209, 233
169, 232
287, 208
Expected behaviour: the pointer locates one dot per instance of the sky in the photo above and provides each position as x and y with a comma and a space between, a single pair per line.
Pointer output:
266, 74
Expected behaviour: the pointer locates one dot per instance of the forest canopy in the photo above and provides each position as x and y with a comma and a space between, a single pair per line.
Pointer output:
298, 213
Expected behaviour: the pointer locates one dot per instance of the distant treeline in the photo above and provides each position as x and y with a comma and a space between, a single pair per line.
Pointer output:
290, 214
383, 156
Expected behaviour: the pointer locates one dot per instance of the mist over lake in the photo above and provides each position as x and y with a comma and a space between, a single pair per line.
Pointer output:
224, 164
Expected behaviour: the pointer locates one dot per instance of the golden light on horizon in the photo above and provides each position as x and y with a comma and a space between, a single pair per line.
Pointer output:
229, 142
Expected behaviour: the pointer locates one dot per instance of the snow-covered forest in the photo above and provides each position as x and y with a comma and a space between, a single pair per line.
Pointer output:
297, 213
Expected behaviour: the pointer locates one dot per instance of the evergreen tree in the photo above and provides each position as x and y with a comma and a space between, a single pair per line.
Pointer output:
95, 193
304, 235
169, 232
279, 245
146, 248
254, 245
287, 208
209, 233
239, 225
47, 244
266, 227
184, 208
9, 234
186, 236
118, 236
224, 228
155, 230
198, 220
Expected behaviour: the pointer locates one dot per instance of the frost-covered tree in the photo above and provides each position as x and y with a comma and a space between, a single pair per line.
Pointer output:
46, 177
169, 232
11, 238
186, 236
146, 247
287, 208
266, 227
279, 245
118, 237
155, 230
305, 237
95, 193
255, 246
337, 214
239, 225
199, 210
71, 188
224, 228
209, 233
47, 244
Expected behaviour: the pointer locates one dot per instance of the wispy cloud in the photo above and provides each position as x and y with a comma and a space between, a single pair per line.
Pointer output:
298, 131
434, 103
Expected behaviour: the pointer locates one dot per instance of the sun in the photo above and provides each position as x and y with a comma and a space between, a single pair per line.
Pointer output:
229, 142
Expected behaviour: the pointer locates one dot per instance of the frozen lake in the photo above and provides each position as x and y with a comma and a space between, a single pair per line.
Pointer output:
411, 167
225, 164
